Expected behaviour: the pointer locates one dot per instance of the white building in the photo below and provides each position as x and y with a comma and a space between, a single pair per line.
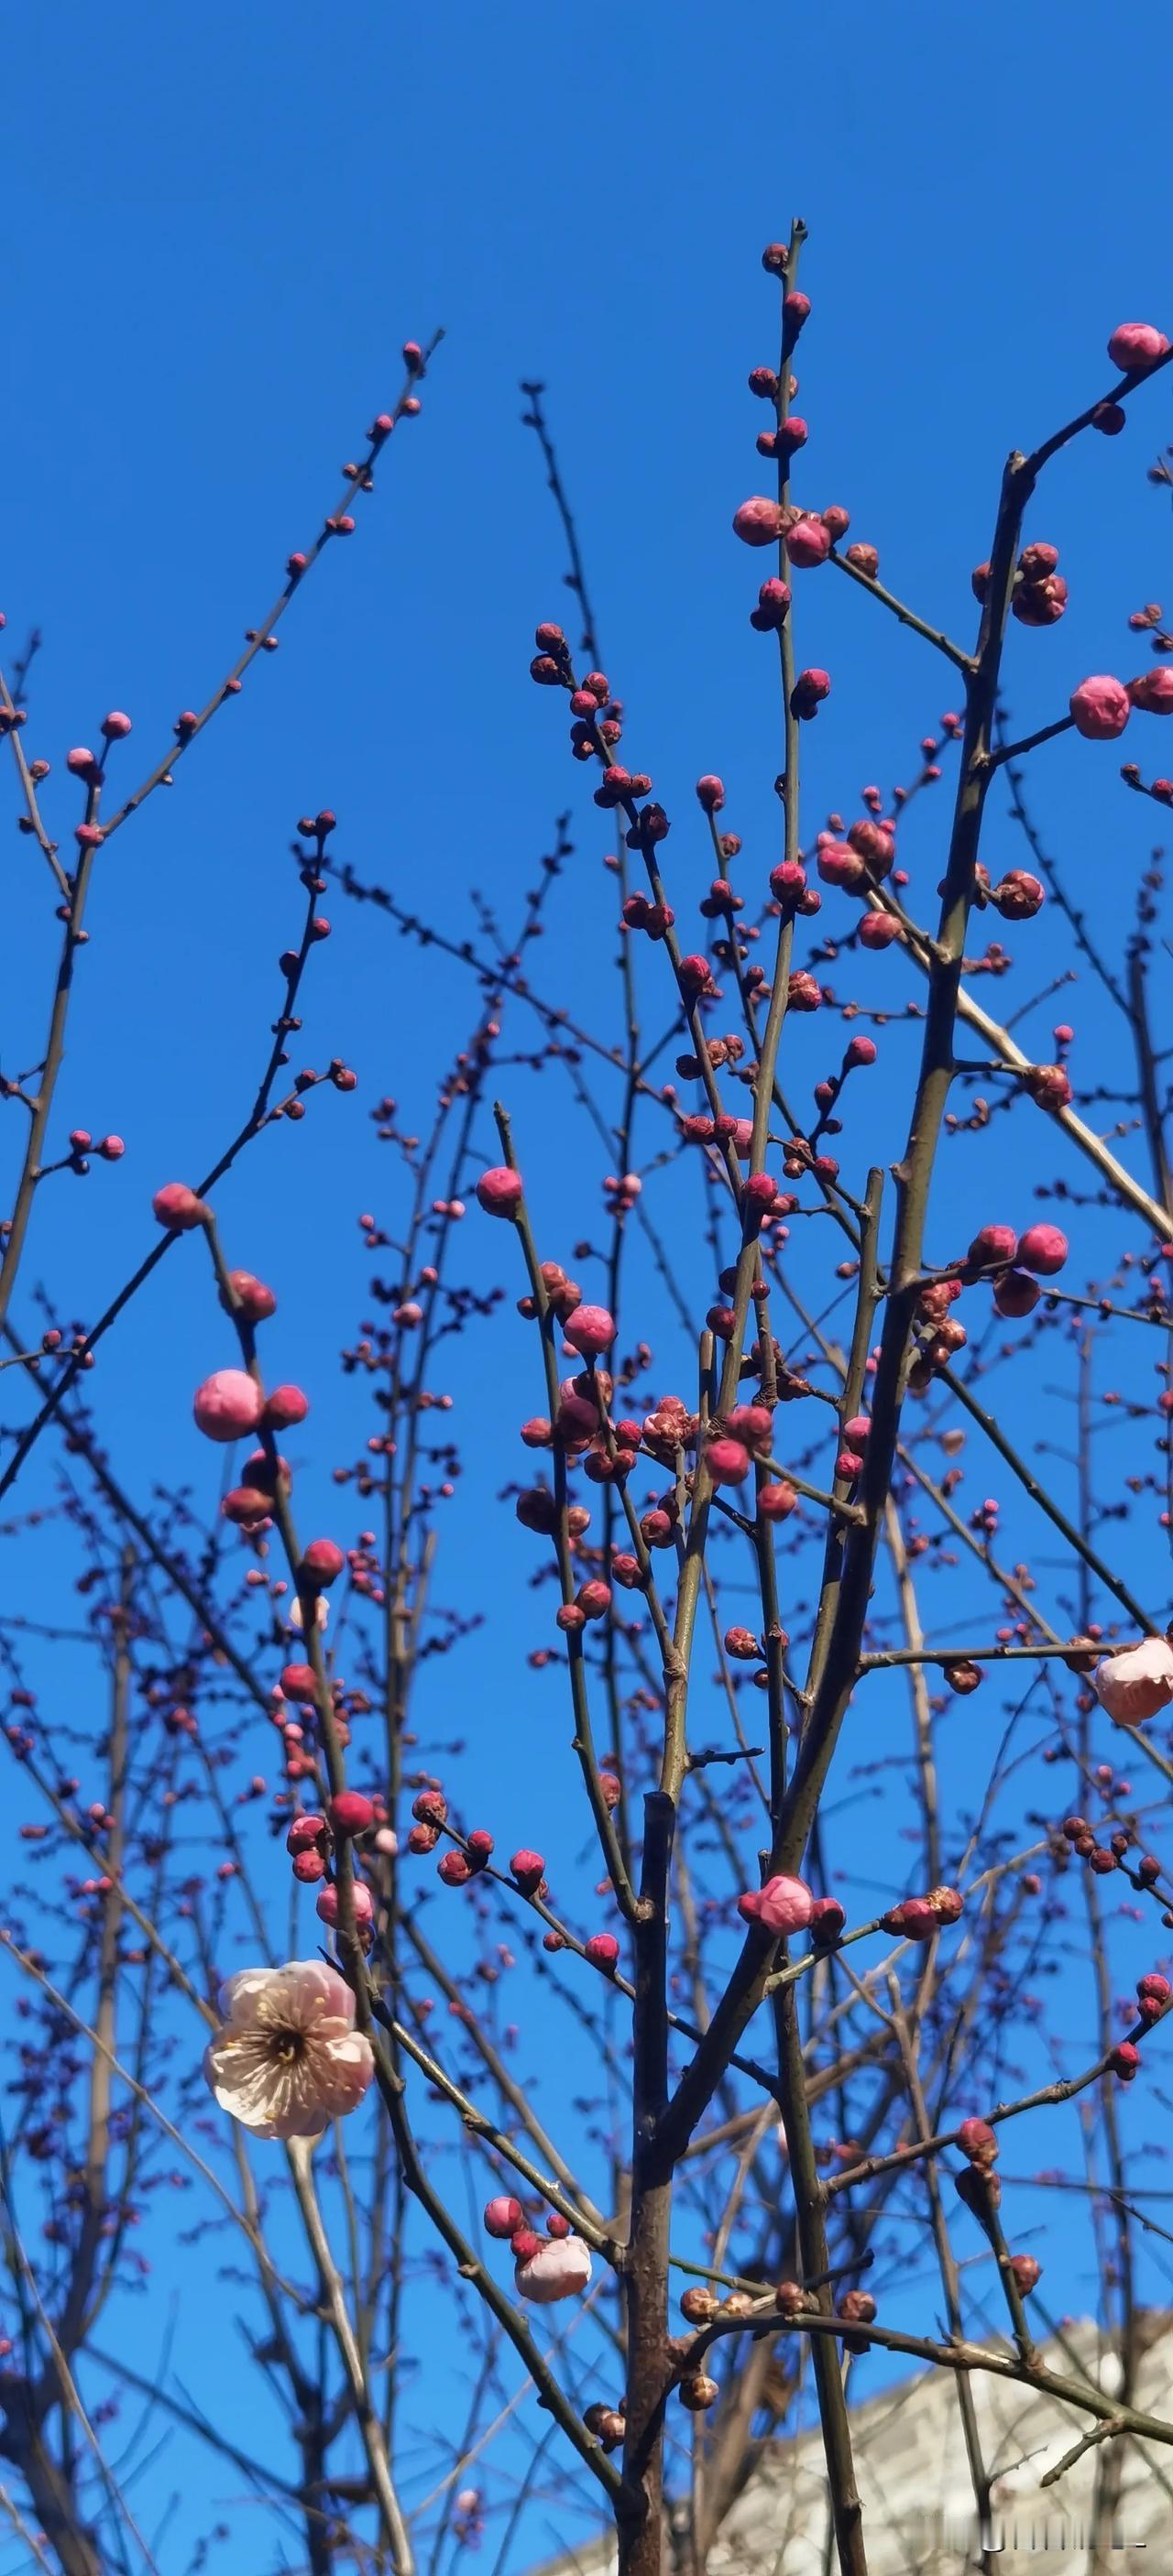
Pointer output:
919, 2517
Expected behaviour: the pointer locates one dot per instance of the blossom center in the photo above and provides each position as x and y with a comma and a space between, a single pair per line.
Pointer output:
289, 2046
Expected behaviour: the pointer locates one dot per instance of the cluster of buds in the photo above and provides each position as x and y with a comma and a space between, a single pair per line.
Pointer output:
1015, 1263
110, 1149
543, 2272
979, 2186
607, 2423
859, 860
1017, 896
1101, 1858
462, 1863
1040, 592
917, 1918
311, 1839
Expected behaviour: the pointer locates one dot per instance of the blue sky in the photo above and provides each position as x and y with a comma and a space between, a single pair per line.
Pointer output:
220, 230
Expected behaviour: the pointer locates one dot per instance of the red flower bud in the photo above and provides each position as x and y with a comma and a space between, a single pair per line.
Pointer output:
499, 1191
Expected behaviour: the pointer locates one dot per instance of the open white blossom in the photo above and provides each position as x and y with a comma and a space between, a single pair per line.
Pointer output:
288, 2059
1138, 1683
560, 2267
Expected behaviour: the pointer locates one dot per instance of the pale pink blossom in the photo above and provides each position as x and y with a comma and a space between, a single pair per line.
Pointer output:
287, 2059
1138, 1683
321, 1613
559, 2268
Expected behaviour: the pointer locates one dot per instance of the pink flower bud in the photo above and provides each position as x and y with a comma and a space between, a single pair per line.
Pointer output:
861, 1051
808, 693
285, 1407
1018, 895
993, 1245
913, 1918
298, 1683
782, 1905
503, 2216
322, 1561
807, 542
873, 842
528, 1869
827, 1919
603, 1952
1153, 692
589, 1330
776, 1502
1100, 708
306, 1833
350, 1812
1049, 1085
308, 1867
594, 1599
454, 1869
865, 559
328, 1908
1042, 1249
750, 1423
758, 522
499, 1191
773, 603
1026, 2271
1136, 346
727, 1461
710, 794
839, 865
116, 726
1016, 1293
227, 1405
1037, 562
877, 930
178, 1207
788, 881
253, 1299
1124, 2061
82, 763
